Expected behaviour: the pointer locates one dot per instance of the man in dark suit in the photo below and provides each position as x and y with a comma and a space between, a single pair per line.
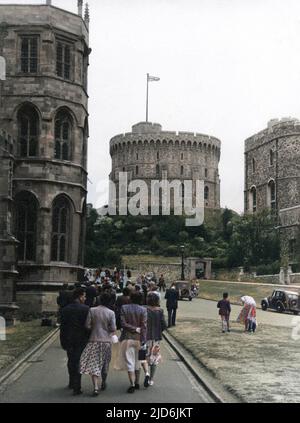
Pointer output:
74, 336
172, 297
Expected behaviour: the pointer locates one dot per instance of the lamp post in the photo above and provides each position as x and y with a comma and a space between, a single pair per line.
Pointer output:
182, 262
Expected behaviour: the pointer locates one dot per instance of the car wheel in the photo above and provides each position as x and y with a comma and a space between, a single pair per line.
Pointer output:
190, 298
296, 313
279, 307
264, 305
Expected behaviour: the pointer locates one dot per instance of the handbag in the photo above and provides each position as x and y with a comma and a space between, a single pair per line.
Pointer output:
142, 354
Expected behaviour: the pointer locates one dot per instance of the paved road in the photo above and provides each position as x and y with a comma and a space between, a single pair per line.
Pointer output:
204, 309
45, 381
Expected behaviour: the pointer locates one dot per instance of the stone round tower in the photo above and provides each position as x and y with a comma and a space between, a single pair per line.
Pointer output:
44, 106
148, 153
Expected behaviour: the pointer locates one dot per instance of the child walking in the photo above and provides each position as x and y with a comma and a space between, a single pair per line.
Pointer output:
224, 311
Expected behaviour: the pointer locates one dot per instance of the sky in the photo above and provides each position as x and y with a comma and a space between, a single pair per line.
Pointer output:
226, 68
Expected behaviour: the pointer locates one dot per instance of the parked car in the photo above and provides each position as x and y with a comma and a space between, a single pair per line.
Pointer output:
185, 290
281, 301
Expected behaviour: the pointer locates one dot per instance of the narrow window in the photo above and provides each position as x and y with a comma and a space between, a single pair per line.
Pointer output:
60, 229
29, 54
271, 157
206, 193
137, 170
206, 173
253, 165
62, 137
28, 128
63, 60
26, 231
272, 195
158, 155
157, 170
181, 170
253, 199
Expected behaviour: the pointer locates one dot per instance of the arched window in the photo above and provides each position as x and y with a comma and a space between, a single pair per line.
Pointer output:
253, 200
26, 225
60, 229
272, 195
63, 129
28, 129
206, 193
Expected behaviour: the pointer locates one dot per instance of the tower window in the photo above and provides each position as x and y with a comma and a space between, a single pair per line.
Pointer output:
29, 54
26, 218
157, 170
60, 229
62, 137
271, 157
272, 195
63, 60
157, 155
206, 193
253, 165
28, 128
181, 170
253, 199
206, 173
137, 170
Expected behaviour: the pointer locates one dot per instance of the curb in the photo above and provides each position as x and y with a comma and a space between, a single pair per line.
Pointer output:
170, 339
28, 354
200, 379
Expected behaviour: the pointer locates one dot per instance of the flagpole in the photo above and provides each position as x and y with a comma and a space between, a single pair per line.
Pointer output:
147, 101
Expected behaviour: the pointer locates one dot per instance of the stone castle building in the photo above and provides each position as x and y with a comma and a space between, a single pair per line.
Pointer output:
272, 180
43, 179
149, 153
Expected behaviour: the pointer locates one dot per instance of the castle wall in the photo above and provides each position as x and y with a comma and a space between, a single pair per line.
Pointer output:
283, 139
178, 156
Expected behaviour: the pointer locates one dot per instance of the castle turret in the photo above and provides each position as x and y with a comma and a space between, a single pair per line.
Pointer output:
46, 112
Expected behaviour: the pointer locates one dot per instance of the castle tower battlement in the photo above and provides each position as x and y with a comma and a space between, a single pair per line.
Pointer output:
149, 153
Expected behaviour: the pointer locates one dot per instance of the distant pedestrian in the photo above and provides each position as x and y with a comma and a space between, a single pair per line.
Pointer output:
161, 283
96, 356
247, 315
74, 336
172, 297
224, 312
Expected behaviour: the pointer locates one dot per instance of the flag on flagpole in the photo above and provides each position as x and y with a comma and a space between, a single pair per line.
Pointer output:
153, 78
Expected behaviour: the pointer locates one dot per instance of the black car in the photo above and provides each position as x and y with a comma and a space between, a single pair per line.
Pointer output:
281, 301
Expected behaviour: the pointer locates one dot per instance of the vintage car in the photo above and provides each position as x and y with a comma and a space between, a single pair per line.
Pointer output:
281, 301
186, 289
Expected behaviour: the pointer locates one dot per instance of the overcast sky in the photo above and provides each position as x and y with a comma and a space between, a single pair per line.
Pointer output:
226, 66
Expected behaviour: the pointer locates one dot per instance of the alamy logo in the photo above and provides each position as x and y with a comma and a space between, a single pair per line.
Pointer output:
157, 197
2, 329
